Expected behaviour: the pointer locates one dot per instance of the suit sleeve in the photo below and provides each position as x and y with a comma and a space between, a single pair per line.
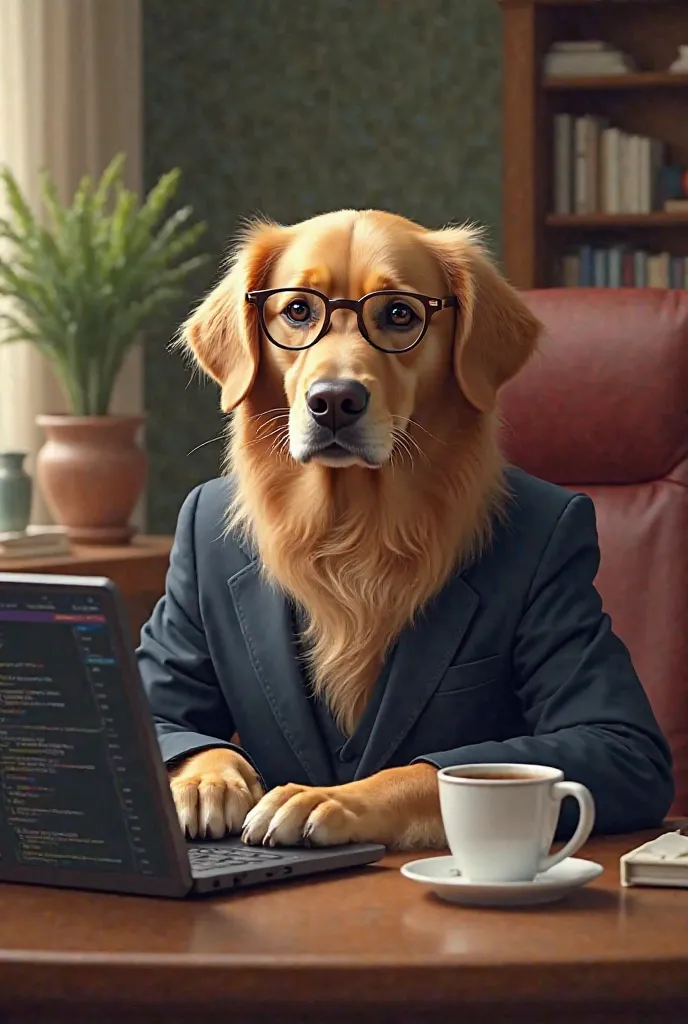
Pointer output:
189, 709
580, 696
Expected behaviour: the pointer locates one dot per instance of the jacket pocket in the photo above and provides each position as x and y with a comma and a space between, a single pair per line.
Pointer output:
470, 675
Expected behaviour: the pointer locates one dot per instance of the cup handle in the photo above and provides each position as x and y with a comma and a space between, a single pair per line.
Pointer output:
585, 822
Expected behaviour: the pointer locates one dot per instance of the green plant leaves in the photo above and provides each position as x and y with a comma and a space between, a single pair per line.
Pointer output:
86, 279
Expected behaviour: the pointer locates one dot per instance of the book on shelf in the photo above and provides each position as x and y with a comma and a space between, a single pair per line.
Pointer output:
598, 168
673, 182
589, 57
676, 206
563, 163
610, 183
35, 542
582, 202
620, 267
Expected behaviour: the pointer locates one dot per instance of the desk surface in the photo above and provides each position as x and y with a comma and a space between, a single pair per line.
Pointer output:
366, 941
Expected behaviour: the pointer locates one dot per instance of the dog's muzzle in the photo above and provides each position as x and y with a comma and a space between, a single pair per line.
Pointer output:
336, 431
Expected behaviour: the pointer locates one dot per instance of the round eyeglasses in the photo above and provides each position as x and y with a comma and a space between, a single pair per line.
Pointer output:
391, 321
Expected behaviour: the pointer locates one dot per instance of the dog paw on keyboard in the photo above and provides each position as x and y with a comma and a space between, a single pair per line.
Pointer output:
398, 807
290, 815
213, 792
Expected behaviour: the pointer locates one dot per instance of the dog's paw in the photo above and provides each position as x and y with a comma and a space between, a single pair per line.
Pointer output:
293, 815
213, 792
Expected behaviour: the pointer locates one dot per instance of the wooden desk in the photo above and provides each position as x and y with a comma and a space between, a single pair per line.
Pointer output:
138, 569
369, 946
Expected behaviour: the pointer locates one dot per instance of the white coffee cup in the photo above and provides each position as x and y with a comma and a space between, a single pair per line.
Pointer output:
500, 819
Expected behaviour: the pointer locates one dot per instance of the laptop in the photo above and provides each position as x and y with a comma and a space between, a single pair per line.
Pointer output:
84, 797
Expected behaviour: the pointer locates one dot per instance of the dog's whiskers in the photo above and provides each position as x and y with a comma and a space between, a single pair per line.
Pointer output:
283, 450
400, 448
277, 416
266, 437
401, 444
276, 444
409, 442
273, 419
266, 412
401, 434
420, 427
418, 448
279, 443
211, 440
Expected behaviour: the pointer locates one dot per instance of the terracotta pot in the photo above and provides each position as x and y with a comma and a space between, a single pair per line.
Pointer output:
92, 472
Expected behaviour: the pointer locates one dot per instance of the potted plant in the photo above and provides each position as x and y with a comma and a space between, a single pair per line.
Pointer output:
82, 282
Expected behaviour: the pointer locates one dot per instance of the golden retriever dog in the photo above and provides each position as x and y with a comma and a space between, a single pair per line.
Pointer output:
363, 533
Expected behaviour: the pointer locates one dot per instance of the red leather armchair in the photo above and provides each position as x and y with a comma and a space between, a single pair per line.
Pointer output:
603, 408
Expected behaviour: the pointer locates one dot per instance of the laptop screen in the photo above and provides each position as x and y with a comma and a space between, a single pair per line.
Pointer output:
77, 790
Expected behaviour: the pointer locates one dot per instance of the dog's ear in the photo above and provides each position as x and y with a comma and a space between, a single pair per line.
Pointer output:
495, 331
223, 333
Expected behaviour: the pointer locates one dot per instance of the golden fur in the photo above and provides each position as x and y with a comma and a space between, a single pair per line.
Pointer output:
362, 550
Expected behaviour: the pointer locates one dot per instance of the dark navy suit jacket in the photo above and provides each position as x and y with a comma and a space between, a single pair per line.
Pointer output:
515, 660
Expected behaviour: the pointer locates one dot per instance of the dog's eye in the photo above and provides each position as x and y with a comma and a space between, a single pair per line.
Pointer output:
298, 311
399, 314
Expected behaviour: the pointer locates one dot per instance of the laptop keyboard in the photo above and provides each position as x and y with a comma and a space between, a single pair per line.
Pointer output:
205, 858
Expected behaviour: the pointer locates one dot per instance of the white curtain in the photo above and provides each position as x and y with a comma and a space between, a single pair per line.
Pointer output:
70, 99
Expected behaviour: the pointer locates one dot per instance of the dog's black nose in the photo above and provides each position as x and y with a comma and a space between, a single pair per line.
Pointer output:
337, 403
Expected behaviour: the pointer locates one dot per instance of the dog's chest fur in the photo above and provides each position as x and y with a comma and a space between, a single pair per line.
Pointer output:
359, 561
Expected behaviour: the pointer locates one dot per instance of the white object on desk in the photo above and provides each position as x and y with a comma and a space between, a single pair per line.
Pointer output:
661, 862
500, 819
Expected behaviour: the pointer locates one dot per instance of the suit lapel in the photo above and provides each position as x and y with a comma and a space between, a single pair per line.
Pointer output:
265, 621
423, 654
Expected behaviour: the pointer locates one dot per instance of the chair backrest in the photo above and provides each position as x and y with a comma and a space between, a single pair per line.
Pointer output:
603, 408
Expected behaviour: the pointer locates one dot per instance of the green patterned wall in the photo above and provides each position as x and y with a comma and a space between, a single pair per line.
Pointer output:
295, 107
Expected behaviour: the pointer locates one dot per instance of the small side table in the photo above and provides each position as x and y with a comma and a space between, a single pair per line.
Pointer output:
138, 569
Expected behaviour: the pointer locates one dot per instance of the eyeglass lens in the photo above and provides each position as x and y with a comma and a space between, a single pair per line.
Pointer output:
295, 319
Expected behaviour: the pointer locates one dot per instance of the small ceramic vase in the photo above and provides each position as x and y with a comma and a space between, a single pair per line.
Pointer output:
680, 65
15, 493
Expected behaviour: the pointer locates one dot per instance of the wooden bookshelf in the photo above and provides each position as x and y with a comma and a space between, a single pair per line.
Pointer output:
650, 102
611, 221
639, 80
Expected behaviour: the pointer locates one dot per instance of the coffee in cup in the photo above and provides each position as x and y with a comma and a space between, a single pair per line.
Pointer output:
500, 819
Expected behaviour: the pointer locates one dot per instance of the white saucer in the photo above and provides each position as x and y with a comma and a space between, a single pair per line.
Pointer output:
440, 876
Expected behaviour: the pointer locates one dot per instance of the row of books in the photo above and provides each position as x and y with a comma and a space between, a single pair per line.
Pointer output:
602, 169
619, 267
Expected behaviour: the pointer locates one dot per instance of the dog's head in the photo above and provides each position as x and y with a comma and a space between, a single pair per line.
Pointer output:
366, 322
